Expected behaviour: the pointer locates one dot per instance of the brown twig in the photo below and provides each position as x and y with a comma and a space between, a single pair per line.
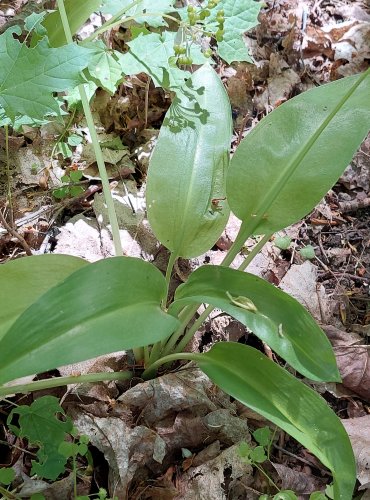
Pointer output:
352, 206
348, 275
16, 235
301, 459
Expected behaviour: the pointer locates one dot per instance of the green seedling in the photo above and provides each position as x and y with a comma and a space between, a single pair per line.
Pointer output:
307, 252
59, 310
71, 189
283, 242
257, 455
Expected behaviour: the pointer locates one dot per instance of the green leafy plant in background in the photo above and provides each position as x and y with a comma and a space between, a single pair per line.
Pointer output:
257, 455
41, 425
59, 310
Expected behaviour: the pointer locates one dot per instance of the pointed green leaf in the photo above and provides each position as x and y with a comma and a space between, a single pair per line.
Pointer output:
274, 316
289, 161
107, 306
23, 281
185, 190
251, 378
30, 76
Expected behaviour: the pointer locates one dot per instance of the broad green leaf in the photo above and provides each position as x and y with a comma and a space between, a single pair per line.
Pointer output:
263, 436
7, 475
23, 281
39, 423
185, 190
30, 76
107, 306
104, 66
152, 54
145, 6
240, 16
289, 161
274, 316
78, 12
251, 378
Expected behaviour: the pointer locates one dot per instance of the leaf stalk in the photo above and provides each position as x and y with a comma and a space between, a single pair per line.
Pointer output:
95, 141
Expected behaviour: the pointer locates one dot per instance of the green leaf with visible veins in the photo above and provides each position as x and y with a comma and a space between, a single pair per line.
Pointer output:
240, 16
104, 66
39, 423
91, 312
259, 383
24, 280
146, 6
30, 76
151, 53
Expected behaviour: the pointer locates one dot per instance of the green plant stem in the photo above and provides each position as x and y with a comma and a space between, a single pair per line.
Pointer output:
193, 329
74, 472
7, 494
157, 347
146, 355
154, 353
8, 177
138, 354
245, 231
116, 20
266, 476
63, 134
255, 251
95, 141
60, 381
184, 317
189, 356
169, 269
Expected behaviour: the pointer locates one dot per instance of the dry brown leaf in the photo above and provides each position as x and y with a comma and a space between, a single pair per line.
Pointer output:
300, 482
226, 476
359, 433
127, 450
352, 359
300, 282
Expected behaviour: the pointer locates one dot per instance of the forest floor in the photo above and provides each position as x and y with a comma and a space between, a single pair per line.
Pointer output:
298, 45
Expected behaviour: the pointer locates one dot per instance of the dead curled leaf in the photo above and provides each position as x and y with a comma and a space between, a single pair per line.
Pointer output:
352, 359
358, 431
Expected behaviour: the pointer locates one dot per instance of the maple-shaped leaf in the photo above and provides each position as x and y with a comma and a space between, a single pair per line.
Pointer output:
240, 16
154, 54
104, 67
29, 76
144, 7
39, 423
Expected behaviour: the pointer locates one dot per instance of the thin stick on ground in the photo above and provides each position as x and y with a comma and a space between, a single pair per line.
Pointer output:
14, 233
